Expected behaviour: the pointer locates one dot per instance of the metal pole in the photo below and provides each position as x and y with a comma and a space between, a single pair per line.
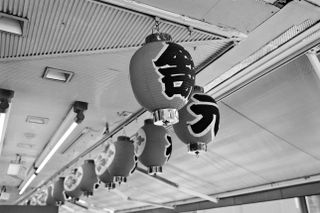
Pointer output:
312, 56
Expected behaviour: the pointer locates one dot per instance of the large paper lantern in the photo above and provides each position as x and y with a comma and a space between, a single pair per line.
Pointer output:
121, 159
162, 77
199, 121
153, 146
82, 181
58, 191
102, 162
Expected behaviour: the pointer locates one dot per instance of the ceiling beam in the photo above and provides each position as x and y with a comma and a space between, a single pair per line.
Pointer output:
145, 9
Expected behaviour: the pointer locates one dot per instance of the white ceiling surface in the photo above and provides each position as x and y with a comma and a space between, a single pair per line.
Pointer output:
70, 28
102, 80
268, 130
225, 13
268, 133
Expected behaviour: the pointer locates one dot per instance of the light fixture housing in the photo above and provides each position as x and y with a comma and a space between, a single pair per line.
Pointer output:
13, 24
5, 101
60, 136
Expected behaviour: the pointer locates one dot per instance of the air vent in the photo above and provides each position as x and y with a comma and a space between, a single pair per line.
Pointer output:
13, 24
25, 145
55, 74
37, 120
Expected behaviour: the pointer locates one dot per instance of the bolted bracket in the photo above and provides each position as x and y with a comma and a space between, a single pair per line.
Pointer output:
79, 107
5, 99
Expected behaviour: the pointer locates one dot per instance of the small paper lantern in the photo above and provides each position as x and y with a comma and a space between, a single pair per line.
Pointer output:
162, 77
102, 162
89, 178
153, 146
34, 201
42, 197
50, 200
122, 159
199, 121
82, 181
72, 184
58, 191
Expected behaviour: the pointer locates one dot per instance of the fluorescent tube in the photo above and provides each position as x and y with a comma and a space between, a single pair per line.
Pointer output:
57, 146
2, 129
27, 183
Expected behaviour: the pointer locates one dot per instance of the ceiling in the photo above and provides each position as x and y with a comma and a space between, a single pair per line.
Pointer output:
268, 131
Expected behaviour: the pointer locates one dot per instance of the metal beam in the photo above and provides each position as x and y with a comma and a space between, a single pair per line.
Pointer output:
177, 186
314, 61
262, 196
183, 20
303, 205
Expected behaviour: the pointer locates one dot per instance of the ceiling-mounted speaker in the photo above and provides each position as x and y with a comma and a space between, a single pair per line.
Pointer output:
4, 196
16, 170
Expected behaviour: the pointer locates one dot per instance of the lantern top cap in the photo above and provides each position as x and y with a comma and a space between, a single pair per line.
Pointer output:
89, 161
198, 89
148, 121
123, 138
158, 37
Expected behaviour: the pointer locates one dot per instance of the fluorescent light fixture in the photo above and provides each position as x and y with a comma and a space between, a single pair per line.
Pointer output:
2, 124
5, 99
57, 146
27, 183
77, 115
12, 24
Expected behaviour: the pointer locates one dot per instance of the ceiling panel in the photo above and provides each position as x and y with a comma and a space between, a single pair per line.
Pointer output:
286, 103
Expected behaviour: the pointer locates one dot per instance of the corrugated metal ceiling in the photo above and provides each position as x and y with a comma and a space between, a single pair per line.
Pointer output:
73, 26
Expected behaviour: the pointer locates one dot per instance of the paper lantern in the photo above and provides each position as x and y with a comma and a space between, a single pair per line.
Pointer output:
58, 191
199, 121
121, 159
72, 184
50, 200
162, 77
89, 178
102, 162
82, 181
34, 201
153, 146
42, 197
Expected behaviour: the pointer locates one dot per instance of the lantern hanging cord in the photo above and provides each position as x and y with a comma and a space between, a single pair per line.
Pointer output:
156, 26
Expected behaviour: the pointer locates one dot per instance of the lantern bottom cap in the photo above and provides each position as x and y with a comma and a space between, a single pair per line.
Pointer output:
152, 170
119, 179
165, 117
110, 186
196, 148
